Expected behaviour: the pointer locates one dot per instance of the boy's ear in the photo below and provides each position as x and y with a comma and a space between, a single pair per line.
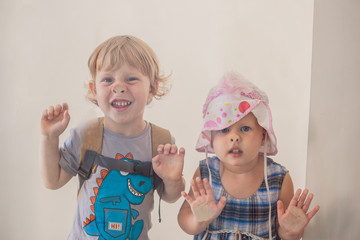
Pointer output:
92, 87
154, 88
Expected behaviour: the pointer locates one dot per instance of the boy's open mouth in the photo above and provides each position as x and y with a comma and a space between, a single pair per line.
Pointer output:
120, 103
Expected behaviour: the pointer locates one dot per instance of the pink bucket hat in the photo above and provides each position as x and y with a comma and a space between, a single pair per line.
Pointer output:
228, 102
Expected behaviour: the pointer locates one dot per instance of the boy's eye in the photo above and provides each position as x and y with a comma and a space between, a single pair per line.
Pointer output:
131, 79
108, 80
225, 130
245, 129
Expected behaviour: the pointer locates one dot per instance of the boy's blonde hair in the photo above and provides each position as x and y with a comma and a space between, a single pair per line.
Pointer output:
118, 50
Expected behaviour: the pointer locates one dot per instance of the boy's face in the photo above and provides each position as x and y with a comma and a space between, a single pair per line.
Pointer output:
238, 145
122, 94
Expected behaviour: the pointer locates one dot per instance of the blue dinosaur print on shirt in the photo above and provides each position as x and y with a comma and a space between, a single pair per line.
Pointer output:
113, 215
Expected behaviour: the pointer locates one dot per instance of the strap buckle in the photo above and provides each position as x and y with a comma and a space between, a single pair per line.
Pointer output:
85, 167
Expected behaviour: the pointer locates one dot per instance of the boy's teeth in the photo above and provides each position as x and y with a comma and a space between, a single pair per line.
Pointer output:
235, 150
121, 104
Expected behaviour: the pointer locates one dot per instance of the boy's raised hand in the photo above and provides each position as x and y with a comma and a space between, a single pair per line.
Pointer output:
296, 217
169, 162
204, 205
54, 120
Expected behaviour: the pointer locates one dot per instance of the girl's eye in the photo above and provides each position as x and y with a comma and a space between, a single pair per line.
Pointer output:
225, 130
108, 80
245, 129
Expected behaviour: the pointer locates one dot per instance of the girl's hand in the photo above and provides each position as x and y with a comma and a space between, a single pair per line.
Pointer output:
54, 120
295, 218
204, 205
169, 162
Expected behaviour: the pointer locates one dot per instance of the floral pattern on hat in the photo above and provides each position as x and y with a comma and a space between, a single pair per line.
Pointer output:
229, 102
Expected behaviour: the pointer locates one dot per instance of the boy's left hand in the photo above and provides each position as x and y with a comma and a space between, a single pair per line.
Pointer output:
169, 162
295, 218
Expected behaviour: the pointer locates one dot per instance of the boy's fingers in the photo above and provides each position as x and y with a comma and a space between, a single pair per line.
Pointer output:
160, 148
45, 114
182, 151
66, 117
65, 106
167, 148
50, 112
58, 109
173, 149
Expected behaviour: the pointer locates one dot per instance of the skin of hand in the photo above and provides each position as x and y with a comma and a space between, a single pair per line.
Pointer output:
203, 205
296, 217
54, 120
168, 165
53, 123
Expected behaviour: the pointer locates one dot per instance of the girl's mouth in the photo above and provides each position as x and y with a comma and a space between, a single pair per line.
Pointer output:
235, 151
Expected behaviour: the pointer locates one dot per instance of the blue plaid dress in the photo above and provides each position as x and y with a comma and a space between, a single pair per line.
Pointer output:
246, 216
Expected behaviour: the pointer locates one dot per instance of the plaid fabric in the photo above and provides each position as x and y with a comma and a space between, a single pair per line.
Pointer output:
246, 215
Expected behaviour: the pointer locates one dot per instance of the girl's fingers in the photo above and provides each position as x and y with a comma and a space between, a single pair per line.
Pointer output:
207, 186
221, 204
308, 202
187, 197
200, 186
280, 209
302, 198
313, 212
295, 198
194, 188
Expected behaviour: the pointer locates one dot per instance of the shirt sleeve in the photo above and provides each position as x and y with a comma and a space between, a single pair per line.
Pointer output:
70, 152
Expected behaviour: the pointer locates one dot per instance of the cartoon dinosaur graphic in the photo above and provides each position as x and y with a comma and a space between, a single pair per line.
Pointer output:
112, 210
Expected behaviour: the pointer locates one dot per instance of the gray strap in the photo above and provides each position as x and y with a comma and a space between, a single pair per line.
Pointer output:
133, 167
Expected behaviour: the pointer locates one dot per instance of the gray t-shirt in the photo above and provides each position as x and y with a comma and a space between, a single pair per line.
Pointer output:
112, 204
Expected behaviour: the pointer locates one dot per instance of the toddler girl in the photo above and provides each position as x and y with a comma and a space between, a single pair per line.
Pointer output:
240, 193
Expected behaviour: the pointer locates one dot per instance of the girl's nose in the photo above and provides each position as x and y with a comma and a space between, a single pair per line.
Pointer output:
234, 137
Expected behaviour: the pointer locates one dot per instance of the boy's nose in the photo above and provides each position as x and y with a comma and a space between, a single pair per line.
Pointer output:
119, 89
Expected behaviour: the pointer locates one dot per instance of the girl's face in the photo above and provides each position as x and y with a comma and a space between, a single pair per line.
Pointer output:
238, 145
122, 94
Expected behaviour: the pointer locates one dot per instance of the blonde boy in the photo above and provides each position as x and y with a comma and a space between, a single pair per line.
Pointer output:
114, 204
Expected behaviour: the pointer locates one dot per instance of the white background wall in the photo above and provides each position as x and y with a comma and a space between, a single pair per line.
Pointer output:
333, 157
45, 45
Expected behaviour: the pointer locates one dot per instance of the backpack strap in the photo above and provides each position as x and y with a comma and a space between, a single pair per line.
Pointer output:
93, 138
158, 136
